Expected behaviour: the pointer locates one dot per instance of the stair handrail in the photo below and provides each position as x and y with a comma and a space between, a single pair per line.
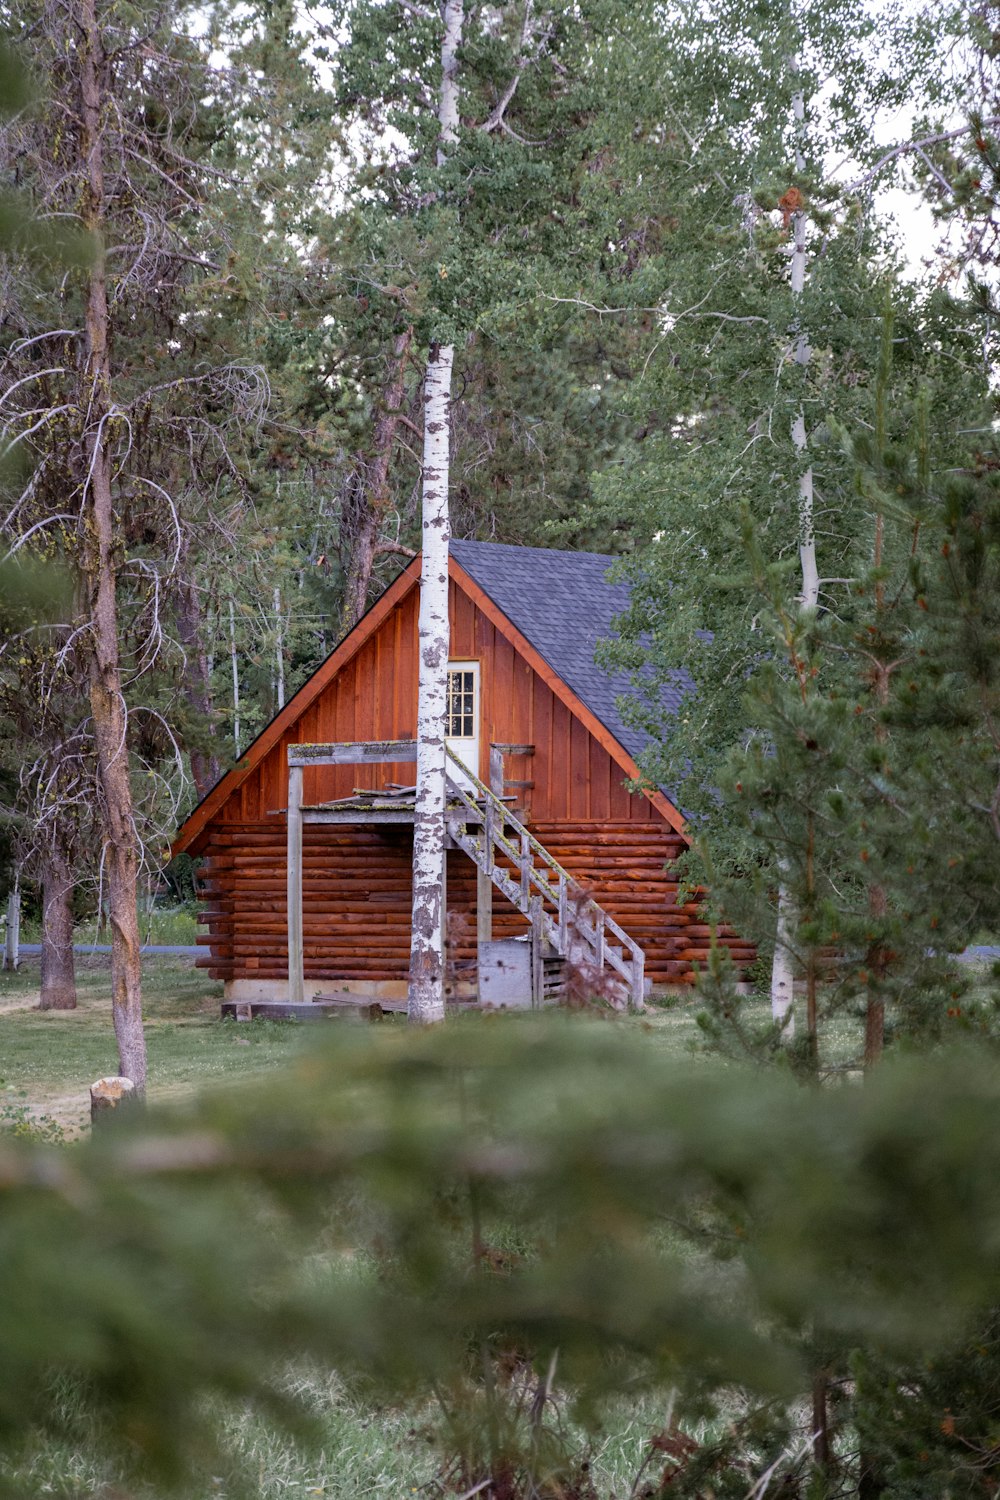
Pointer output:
604, 923
489, 795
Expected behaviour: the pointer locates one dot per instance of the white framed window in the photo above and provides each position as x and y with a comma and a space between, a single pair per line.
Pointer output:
463, 701
462, 722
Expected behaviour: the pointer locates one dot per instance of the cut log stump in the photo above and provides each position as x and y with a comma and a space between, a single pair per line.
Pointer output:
109, 1094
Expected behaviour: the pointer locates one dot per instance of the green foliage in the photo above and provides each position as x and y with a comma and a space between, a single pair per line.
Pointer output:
523, 1188
18, 1121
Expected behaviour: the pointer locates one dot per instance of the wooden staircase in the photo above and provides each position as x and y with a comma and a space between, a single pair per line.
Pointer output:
562, 916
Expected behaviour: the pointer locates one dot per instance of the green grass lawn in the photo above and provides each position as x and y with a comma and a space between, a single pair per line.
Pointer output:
50, 1058
172, 926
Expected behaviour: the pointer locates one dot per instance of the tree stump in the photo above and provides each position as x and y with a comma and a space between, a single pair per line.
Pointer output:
109, 1094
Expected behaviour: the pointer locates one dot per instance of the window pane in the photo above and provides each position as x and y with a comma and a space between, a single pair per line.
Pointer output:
461, 703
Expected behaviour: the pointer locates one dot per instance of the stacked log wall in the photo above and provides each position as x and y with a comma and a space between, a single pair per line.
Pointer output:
356, 900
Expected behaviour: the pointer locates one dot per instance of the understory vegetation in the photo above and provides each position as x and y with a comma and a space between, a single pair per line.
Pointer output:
564, 1256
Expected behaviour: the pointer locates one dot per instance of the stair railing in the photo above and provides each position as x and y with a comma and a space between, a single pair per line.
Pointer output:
576, 921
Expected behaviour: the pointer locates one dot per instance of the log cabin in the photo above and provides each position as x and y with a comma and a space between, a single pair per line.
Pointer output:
541, 760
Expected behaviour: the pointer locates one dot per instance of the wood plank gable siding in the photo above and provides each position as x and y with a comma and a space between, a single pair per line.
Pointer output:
357, 878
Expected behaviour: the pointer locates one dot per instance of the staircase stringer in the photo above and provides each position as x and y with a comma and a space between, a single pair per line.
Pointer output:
582, 937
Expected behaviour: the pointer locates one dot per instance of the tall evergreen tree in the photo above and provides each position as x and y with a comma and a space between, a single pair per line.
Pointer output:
109, 398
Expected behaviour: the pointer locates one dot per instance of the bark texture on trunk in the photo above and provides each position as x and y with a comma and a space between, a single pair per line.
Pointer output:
107, 702
375, 488
12, 932
781, 979
58, 967
454, 17
425, 1000
782, 966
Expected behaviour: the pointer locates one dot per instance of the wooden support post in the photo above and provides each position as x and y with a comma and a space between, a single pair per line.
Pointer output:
296, 967
537, 947
563, 917
638, 981
496, 770
484, 907
525, 870
599, 940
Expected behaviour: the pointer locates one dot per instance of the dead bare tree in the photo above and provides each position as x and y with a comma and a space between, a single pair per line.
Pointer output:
108, 392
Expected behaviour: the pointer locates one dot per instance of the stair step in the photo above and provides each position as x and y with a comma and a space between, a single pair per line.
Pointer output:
513, 871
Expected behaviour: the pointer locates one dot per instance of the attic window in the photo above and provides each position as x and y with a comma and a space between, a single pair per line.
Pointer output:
461, 703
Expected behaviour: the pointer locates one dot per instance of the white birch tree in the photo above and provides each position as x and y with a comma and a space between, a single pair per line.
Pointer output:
425, 1002
782, 965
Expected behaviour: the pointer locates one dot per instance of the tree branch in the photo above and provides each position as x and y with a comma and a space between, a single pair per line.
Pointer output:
918, 147
495, 119
398, 547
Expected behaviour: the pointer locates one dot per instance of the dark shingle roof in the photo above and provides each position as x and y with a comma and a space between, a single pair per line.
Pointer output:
564, 604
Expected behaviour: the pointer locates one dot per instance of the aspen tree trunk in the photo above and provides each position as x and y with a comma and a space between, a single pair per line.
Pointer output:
205, 768
236, 678
279, 650
454, 19
426, 990
12, 933
425, 1002
375, 497
107, 703
58, 970
878, 902
782, 969
822, 1450
782, 966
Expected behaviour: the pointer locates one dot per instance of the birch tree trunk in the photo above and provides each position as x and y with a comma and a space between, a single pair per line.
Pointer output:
782, 971
454, 18
279, 650
107, 702
236, 678
425, 1001
12, 932
426, 989
58, 970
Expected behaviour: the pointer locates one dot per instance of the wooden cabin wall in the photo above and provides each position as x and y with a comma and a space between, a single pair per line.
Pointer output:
374, 697
356, 906
357, 878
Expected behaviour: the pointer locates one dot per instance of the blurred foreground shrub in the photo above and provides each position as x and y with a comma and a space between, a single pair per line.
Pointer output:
416, 1207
